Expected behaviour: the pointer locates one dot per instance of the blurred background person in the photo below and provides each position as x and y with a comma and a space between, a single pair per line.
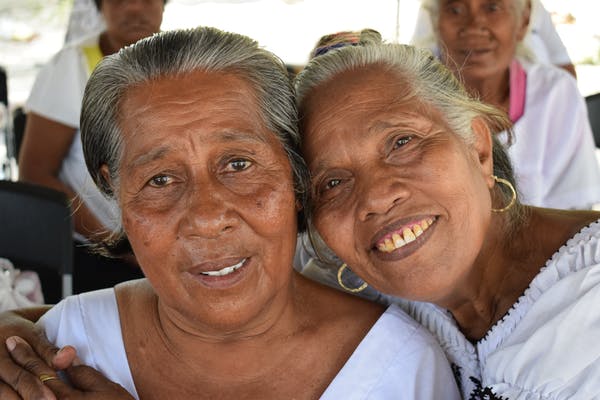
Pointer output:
542, 41
51, 153
553, 150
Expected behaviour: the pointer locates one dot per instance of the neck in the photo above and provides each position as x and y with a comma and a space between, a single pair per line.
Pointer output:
107, 45
494, 90
191, 339
500, 274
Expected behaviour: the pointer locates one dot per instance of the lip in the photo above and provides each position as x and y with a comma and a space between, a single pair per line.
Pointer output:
407, 249
224, 281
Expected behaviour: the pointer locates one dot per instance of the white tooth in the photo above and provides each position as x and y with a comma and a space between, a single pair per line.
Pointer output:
424, 224
398, 242
224, 271
417, 230
381, 247
409, 236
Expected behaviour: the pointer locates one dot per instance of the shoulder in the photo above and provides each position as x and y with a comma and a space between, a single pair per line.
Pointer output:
544, 79
82, 320
397, 359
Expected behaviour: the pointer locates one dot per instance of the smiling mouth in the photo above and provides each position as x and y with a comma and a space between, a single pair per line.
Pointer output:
404, 236
226, 270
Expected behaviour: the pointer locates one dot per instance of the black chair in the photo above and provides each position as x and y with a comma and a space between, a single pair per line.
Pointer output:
593, 106
19, 121
36, 233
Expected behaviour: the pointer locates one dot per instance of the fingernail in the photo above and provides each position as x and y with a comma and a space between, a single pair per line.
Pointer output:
11, 343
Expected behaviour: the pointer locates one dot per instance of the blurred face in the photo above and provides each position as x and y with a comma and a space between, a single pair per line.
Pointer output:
479, 37
397, 196
207, 198
128, 21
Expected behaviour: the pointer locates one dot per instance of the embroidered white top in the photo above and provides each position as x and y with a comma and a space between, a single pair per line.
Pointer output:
547, 347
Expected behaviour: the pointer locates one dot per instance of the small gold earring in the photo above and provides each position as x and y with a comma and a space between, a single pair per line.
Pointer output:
339, 278
513, 198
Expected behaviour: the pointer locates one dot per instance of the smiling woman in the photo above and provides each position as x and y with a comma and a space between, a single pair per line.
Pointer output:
413, 192
193, 135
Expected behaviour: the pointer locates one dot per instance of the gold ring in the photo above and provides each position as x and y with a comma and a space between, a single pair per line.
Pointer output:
46, 377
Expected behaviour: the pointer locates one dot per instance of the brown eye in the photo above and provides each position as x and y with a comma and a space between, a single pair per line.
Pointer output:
160, 181
330, 184
239, 164
402, 141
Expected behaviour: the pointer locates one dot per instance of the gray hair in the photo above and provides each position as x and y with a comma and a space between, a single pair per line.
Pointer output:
428, 83
522, 51
175, 53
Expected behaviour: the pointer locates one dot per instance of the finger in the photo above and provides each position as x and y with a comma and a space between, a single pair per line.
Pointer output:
7, 393
26, 380
42, 346
65, 357
88, 379
14, 324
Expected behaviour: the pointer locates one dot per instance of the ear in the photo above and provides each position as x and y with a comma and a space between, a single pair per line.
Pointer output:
523, 24
483, 147
106, 176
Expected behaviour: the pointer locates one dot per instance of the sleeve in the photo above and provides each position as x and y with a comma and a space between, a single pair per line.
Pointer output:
58, 89
63, 324
544, 27
566, 172
422, 375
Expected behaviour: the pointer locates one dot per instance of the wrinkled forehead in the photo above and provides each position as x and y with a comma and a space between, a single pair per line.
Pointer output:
371, 87
199, 103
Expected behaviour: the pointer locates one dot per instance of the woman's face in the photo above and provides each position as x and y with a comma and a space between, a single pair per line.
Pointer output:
128, 21
479, 37
401, 199
207, 197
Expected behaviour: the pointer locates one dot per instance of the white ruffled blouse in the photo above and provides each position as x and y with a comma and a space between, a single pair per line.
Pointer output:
548, 344
547, 347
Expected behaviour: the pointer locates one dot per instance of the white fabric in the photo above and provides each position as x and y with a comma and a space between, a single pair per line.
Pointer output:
397, 359
542, 41
57, 94
546, 348
553, 152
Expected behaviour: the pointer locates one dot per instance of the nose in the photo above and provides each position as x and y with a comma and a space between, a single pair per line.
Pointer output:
207, 212
474, 22
379, 194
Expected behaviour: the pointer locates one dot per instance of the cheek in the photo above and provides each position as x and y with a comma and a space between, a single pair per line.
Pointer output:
144, 233
335, 232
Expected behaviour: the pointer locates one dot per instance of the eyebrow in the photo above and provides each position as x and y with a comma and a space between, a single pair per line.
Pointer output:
224, 137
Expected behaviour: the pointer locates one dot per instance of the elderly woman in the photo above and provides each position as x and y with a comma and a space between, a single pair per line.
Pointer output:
553, 148
411, 191
193, 134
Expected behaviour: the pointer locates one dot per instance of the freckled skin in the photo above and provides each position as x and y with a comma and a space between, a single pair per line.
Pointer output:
224, 190
379, 182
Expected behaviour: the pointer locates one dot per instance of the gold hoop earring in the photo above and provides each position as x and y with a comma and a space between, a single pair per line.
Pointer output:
339, 278
513, 198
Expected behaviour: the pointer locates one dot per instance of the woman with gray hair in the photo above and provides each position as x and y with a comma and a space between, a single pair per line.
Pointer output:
193, 134
553, 150
413, 193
